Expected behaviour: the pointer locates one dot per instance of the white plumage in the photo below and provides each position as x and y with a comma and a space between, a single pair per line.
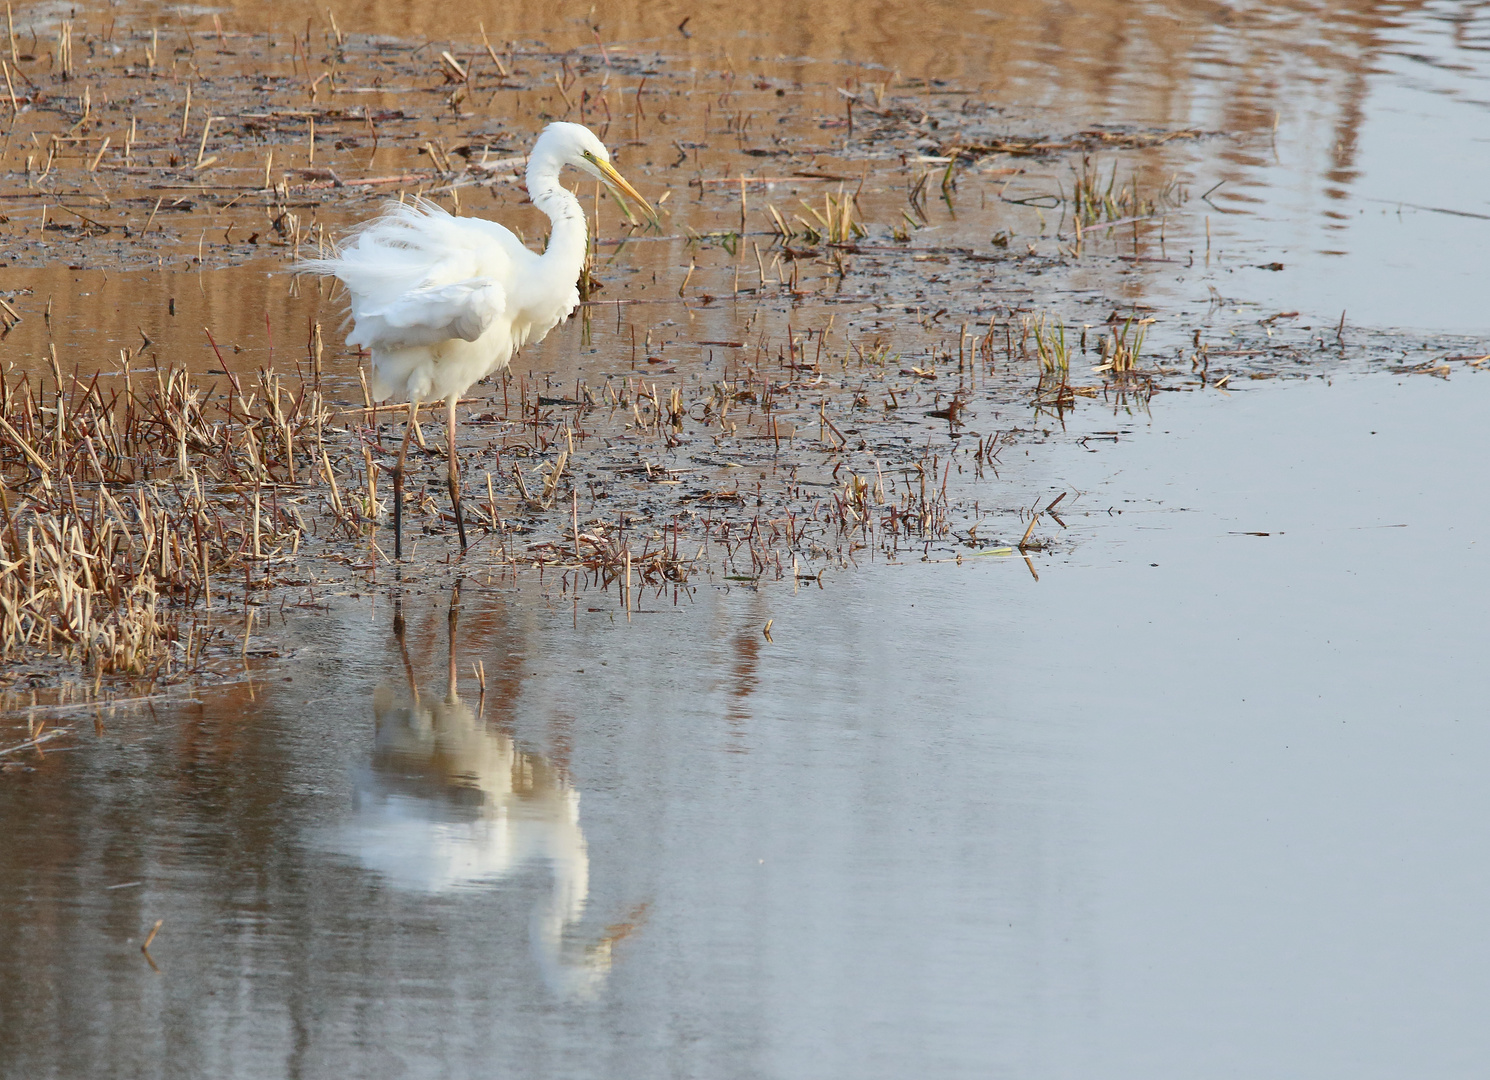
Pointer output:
440, 302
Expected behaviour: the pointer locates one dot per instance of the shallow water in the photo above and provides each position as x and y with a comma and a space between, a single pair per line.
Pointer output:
1197, 802
1194, 801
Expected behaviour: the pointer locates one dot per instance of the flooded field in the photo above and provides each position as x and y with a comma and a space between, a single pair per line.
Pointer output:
988, 585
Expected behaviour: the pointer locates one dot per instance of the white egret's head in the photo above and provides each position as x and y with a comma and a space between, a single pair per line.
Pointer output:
577, 145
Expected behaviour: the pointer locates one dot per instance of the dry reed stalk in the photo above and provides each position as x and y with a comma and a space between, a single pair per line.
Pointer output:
111, 584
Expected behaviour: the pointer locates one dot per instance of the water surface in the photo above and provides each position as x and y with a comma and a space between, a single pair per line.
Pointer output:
1204, 798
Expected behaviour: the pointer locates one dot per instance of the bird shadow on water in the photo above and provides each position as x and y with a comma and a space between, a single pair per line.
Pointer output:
448, 804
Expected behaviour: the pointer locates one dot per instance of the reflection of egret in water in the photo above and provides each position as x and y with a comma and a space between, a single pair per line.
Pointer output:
450, 802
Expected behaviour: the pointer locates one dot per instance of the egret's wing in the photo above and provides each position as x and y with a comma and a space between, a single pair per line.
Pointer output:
428, 315
415, 275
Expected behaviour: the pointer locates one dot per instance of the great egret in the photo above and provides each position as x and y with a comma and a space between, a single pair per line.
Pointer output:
441, 302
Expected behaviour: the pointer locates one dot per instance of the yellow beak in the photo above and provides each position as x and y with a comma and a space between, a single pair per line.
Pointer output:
619, 182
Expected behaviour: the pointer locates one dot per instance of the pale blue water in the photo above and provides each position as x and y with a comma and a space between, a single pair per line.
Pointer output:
1219, 816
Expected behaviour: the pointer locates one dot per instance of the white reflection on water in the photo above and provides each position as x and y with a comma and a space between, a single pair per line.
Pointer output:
449, 802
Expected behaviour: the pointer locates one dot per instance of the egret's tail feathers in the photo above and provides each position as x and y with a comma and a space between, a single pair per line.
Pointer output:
405, 238
409, 214
417, 276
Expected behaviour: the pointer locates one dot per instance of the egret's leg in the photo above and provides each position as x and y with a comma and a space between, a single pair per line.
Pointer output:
398, 484
460, 523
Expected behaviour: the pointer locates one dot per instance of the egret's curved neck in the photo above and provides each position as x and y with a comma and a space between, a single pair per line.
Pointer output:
568, 240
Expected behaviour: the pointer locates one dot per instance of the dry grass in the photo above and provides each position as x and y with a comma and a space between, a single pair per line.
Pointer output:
836, 223
121, 503
140, 505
